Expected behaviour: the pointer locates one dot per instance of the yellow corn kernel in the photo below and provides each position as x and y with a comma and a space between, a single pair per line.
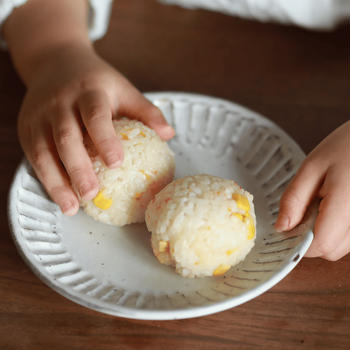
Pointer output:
124, 136
221, 269
239, 216
242, 201
138, 195
144, 173
142, 134
102, 202
163, 246
251, 229
230, 251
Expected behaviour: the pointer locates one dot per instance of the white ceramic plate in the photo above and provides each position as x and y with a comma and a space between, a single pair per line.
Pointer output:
113, 270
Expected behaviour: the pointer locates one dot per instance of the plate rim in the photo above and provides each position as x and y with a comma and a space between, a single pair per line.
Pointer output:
259, 118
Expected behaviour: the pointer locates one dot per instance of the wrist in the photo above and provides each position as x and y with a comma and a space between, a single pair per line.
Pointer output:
40, 29
53, 57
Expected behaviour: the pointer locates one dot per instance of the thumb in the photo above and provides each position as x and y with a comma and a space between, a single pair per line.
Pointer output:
299, 195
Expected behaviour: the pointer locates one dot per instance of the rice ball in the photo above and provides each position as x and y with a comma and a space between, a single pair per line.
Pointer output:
202, 225
126, 191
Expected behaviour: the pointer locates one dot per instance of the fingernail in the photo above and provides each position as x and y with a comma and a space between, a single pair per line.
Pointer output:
114, 159
69, 208
167, 131
169, 128
87, 192
282, 223
114, 163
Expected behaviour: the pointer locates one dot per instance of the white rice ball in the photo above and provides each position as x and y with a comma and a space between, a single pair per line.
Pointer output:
202, 225
126, 191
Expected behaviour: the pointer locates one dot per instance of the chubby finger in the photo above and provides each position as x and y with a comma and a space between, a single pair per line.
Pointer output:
46, 164
68, 138
299, 195
96, 114
136, 106
331, 227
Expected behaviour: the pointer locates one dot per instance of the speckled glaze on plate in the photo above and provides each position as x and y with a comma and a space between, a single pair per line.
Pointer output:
113, 270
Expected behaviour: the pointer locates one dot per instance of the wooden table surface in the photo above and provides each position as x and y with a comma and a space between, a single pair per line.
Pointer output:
297, 78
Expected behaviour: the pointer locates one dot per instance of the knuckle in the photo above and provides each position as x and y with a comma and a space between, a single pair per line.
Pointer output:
94, 114
65, 136
61, 192
82, 174
106, 143
311, 165
77, 173
89, 82
39, 158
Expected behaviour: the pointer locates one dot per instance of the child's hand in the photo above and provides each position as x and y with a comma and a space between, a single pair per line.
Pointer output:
75, 89
324, 173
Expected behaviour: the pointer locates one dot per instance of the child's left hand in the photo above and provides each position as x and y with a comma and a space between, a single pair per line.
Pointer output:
324, 173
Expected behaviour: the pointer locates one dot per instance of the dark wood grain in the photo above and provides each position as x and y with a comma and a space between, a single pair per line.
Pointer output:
297, 78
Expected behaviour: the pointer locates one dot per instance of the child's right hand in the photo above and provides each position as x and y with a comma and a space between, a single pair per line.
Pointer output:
76, 89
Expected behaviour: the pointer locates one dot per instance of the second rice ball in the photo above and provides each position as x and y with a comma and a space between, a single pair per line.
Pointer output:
202, 225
